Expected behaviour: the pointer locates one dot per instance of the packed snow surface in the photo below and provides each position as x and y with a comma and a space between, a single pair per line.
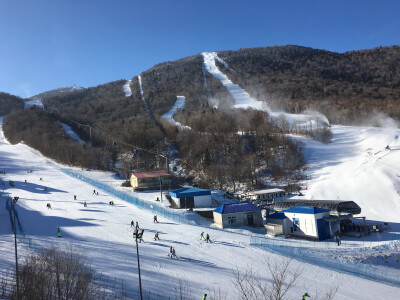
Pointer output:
72, 133
104, 233
34, 102
361, 164
127, 88
244, 100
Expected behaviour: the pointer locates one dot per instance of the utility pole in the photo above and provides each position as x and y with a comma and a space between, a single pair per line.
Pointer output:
15, 199
138, 234
159, 175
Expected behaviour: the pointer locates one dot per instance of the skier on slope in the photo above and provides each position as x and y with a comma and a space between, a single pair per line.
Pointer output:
173, 254
156, 237
202, 236
208, 238
58, 232
204, 297
132, 223
305, 296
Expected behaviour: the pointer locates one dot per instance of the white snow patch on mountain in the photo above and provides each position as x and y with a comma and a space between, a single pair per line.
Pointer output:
142, 95
34, 102
72, 133
244, 100
127, 88
169, 116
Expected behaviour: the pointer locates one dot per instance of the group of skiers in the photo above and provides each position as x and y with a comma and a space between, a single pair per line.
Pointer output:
172, 253
95, 193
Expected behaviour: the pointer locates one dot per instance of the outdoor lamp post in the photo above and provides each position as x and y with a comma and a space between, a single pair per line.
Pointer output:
15, 199
137, 234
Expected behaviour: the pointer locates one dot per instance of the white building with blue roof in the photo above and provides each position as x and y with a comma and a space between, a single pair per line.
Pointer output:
237, 214
302, 221
189, 197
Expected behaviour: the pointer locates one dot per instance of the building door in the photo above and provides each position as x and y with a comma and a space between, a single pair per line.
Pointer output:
187, 202
250, 220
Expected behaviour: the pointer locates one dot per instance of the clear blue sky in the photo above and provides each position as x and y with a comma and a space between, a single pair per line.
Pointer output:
45, 44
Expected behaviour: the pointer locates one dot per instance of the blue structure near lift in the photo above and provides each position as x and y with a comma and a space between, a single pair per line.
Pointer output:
189, 197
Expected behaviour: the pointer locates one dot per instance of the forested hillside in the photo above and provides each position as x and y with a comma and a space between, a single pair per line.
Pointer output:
346, 87
9, 102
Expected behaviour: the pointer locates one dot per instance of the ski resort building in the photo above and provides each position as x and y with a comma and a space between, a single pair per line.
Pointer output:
261, 196
336, 207
237, 214
268, 195
188, 197
302, 221
149, 180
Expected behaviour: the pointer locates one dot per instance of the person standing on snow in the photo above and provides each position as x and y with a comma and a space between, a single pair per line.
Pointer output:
85, 204
155, 219
339, 240
173, 254
204, 297
132, 223
156, 237
305, 296
208, 238
137, 225
202, 236
58, 232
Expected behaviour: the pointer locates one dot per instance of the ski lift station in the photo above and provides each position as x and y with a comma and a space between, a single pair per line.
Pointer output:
311, 219
189, 197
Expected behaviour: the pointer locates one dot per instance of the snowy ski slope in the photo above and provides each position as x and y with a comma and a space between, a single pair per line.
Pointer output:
104, 233
244, 100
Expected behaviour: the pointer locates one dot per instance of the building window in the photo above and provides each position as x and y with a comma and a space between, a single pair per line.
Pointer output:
231, 220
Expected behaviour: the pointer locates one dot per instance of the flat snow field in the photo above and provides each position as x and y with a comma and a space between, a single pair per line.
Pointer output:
105, 235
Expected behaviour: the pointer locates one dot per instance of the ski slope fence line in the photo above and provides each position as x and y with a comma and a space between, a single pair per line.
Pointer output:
381, 274
185, 217
116, 286
191, 218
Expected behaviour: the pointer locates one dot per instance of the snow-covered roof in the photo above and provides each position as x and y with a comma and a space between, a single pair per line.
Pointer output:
150, 174
236, 207
189, 192
266, 191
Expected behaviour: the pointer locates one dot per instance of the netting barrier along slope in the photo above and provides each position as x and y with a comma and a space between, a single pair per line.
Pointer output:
381, 274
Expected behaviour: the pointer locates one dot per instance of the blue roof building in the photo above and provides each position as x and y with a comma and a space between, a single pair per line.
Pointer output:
189, 197
302, 221
237, 214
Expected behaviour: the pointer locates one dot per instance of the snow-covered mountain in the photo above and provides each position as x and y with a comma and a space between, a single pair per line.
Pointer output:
104, 233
